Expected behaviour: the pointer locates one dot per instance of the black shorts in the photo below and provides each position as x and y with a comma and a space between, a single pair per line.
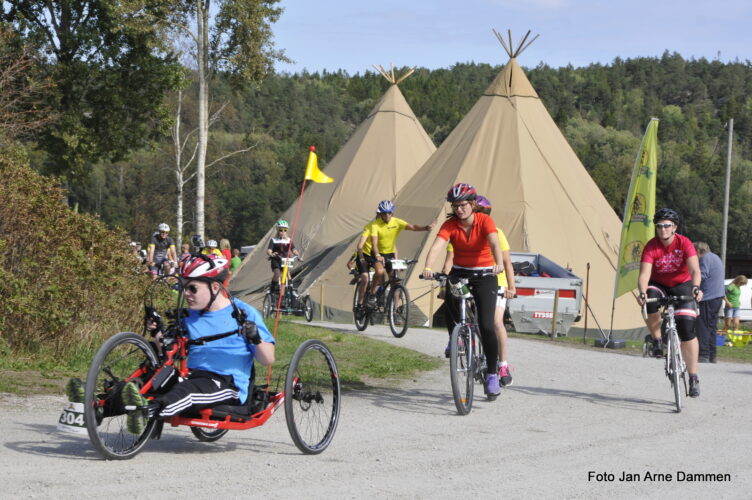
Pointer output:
362, 265
685, 313
387, 261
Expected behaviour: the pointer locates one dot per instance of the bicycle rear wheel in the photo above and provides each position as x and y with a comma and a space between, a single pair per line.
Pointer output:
267, 305
312, 397
308, 308
398, 310
360, 315
125, 357
461, 369
675, 369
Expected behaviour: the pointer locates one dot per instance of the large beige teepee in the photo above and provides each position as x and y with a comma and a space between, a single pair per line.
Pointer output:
509, 147
383, 153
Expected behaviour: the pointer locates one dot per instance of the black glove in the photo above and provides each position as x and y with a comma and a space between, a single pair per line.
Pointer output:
251, 333
151, 314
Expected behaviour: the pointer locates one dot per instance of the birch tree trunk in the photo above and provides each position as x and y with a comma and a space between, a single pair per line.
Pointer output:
202, 18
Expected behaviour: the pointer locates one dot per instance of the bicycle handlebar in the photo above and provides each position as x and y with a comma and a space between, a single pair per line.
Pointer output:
665, 301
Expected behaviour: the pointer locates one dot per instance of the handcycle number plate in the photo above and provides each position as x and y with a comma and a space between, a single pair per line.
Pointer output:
72, 419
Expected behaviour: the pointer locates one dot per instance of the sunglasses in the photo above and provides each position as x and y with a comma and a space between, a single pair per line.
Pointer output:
282, 230
459, 205
664, 226
192, 288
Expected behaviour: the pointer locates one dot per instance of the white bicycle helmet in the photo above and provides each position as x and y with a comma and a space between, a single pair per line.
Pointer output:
164, 227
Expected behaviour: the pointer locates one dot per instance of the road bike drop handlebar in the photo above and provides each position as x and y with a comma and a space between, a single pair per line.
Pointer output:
666, 301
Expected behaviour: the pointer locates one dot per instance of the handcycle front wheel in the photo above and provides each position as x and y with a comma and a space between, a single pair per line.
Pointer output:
208, 435
461, 369
398, 310
124, 357
312, 397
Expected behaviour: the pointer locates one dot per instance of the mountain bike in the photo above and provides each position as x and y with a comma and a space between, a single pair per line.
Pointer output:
675, 367
310, 395
467, 361
392, 299
290, 302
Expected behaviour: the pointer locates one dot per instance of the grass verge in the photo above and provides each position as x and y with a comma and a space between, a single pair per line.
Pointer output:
361, 362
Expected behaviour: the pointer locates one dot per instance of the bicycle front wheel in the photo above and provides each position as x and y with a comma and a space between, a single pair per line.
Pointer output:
398, 310
125, 357
312, 397
461, 368
675, 369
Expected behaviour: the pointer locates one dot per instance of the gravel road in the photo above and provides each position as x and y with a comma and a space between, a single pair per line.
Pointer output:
571, 415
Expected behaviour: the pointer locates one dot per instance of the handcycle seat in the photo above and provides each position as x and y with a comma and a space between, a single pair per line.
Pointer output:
257, 401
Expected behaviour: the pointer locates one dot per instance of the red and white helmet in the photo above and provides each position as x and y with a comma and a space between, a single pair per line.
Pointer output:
204, 267
461, 192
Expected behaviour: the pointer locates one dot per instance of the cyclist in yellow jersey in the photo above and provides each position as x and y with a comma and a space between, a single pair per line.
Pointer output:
506, 290
383, 234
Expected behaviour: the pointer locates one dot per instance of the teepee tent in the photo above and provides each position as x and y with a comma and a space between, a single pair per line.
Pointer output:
510, 149
382, 154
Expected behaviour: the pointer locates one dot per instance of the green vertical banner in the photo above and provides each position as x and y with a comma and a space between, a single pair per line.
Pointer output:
637, 227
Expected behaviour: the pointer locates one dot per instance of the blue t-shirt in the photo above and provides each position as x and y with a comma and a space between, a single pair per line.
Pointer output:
228, 356
711, 269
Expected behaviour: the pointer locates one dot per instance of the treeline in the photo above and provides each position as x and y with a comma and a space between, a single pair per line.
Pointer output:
601, 109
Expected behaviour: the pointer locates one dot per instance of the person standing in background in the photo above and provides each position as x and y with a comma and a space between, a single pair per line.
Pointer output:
224, 247
235, 261
713, 292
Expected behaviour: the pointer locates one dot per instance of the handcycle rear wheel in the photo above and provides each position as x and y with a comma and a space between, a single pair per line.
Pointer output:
208, 435
124, 357
308, 308
461, 369
398, 310
312, 397
360, 318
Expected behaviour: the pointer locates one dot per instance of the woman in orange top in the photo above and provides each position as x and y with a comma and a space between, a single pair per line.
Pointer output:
476, 252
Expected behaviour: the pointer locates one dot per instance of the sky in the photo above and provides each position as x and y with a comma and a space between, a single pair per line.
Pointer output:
354, 34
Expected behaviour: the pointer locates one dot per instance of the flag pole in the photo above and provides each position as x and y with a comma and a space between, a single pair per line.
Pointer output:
285, 273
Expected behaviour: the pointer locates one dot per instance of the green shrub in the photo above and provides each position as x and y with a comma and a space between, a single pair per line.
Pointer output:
66, 281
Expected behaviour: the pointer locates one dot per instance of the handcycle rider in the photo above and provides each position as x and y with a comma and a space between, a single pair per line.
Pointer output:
220, 367
383, 232
477, 256
280, 246
670, 267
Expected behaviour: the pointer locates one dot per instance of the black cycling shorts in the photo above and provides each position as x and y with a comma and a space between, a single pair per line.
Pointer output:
685, 313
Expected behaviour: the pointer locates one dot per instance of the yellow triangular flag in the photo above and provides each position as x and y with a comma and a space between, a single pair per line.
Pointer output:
312, 172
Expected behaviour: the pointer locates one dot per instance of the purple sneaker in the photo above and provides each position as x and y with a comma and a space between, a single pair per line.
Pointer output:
492, 386
448, 350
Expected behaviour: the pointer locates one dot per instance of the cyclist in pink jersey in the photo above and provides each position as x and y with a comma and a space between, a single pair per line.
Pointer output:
670, 266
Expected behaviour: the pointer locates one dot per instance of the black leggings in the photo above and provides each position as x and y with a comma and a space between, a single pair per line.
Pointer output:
484, 292
202, 389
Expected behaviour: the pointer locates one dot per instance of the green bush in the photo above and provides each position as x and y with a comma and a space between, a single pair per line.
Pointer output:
66, 281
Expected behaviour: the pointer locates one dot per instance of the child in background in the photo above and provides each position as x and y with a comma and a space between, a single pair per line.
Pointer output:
732, 301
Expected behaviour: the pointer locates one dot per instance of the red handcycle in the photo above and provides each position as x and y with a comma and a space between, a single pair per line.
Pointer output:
311, 393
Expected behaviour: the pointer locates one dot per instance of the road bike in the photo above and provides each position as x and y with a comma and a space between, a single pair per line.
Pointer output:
675, 367
467, 361
392, 300
290, 302
310, 395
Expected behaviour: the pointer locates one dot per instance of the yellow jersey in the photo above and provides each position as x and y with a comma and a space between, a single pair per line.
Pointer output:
386, 232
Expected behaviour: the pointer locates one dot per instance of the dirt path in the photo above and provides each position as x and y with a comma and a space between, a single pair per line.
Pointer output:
569, 412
